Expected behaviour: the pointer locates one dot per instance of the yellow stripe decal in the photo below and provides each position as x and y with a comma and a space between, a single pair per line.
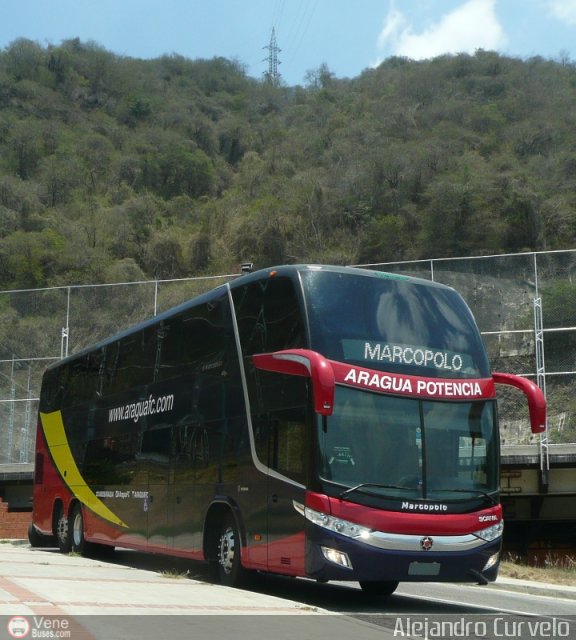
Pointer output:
53, 426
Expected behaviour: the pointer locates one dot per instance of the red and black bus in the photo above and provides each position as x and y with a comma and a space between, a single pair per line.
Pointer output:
328, 422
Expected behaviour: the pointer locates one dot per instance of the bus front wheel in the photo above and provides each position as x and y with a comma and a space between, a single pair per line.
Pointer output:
379, 588
230, 570
78, 542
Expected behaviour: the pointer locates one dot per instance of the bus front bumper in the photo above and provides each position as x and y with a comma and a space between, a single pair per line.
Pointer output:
406, 558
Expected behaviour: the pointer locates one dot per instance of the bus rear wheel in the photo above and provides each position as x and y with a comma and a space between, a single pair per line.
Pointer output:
37, 539
230, 570
76, 529
379, 588
62, 530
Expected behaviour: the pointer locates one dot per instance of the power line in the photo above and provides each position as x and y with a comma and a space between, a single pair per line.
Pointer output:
278, 12
296, 32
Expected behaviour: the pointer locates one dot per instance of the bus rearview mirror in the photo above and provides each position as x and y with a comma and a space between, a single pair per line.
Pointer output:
303, 362
534, 395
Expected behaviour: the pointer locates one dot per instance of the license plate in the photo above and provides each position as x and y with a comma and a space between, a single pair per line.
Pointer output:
424, 569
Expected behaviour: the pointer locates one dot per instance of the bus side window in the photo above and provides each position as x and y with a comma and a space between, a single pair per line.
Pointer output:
53, 385
269, 317
111, 460
82, 379
133, 360
129, 363
198, 340
284, 327
281, 442
288, 438
157, 445
280, 424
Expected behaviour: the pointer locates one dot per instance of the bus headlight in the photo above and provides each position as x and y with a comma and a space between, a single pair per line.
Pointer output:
343, 527
490, 533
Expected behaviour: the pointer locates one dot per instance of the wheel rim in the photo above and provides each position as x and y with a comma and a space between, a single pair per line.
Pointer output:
77, 529
62, 528
227, 548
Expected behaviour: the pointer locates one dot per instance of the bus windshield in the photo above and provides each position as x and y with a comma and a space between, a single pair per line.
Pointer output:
409, 448
391, 323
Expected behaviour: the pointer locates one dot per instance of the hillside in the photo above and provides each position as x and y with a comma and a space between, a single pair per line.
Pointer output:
117, 169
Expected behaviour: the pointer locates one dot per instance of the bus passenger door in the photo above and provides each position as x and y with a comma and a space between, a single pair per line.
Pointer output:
288, 453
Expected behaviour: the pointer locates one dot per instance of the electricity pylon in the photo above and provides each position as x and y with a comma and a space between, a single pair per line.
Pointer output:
272, 76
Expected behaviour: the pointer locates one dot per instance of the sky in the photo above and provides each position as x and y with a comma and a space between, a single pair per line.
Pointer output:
346, 35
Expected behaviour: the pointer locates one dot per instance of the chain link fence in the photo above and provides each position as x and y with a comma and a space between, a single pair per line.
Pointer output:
38, 327
524, 304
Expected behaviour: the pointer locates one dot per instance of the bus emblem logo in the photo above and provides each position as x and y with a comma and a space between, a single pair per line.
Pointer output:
426, 543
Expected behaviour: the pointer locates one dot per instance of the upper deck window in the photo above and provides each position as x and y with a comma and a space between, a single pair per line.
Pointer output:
269, 316
393, 324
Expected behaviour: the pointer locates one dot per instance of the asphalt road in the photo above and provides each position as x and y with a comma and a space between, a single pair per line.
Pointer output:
135, 595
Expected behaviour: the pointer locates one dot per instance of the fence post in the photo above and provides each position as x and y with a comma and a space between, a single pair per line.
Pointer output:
66, 329
26, 427
12, 412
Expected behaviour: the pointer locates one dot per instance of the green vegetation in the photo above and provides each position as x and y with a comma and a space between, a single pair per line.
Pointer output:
117, 169
174, 574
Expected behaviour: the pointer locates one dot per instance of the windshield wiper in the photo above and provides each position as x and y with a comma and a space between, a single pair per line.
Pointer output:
363, 485
491, 499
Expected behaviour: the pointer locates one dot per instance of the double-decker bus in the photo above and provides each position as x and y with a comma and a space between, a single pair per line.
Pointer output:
328, 422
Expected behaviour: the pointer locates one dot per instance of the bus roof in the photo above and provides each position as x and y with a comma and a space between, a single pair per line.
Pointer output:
242, 279
286, 270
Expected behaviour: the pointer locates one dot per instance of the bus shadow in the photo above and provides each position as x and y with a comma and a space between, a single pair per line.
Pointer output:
334, 597
349, 598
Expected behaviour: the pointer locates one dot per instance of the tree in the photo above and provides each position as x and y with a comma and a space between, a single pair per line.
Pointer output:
23, 59
183, 171
29, 259
200, 250
320, 78
123, 158
163, 257
24, 149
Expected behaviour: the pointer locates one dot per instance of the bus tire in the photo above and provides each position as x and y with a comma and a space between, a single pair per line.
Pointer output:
37, 539
379, 588
231, 573
76, 530
78, 541
62, 530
